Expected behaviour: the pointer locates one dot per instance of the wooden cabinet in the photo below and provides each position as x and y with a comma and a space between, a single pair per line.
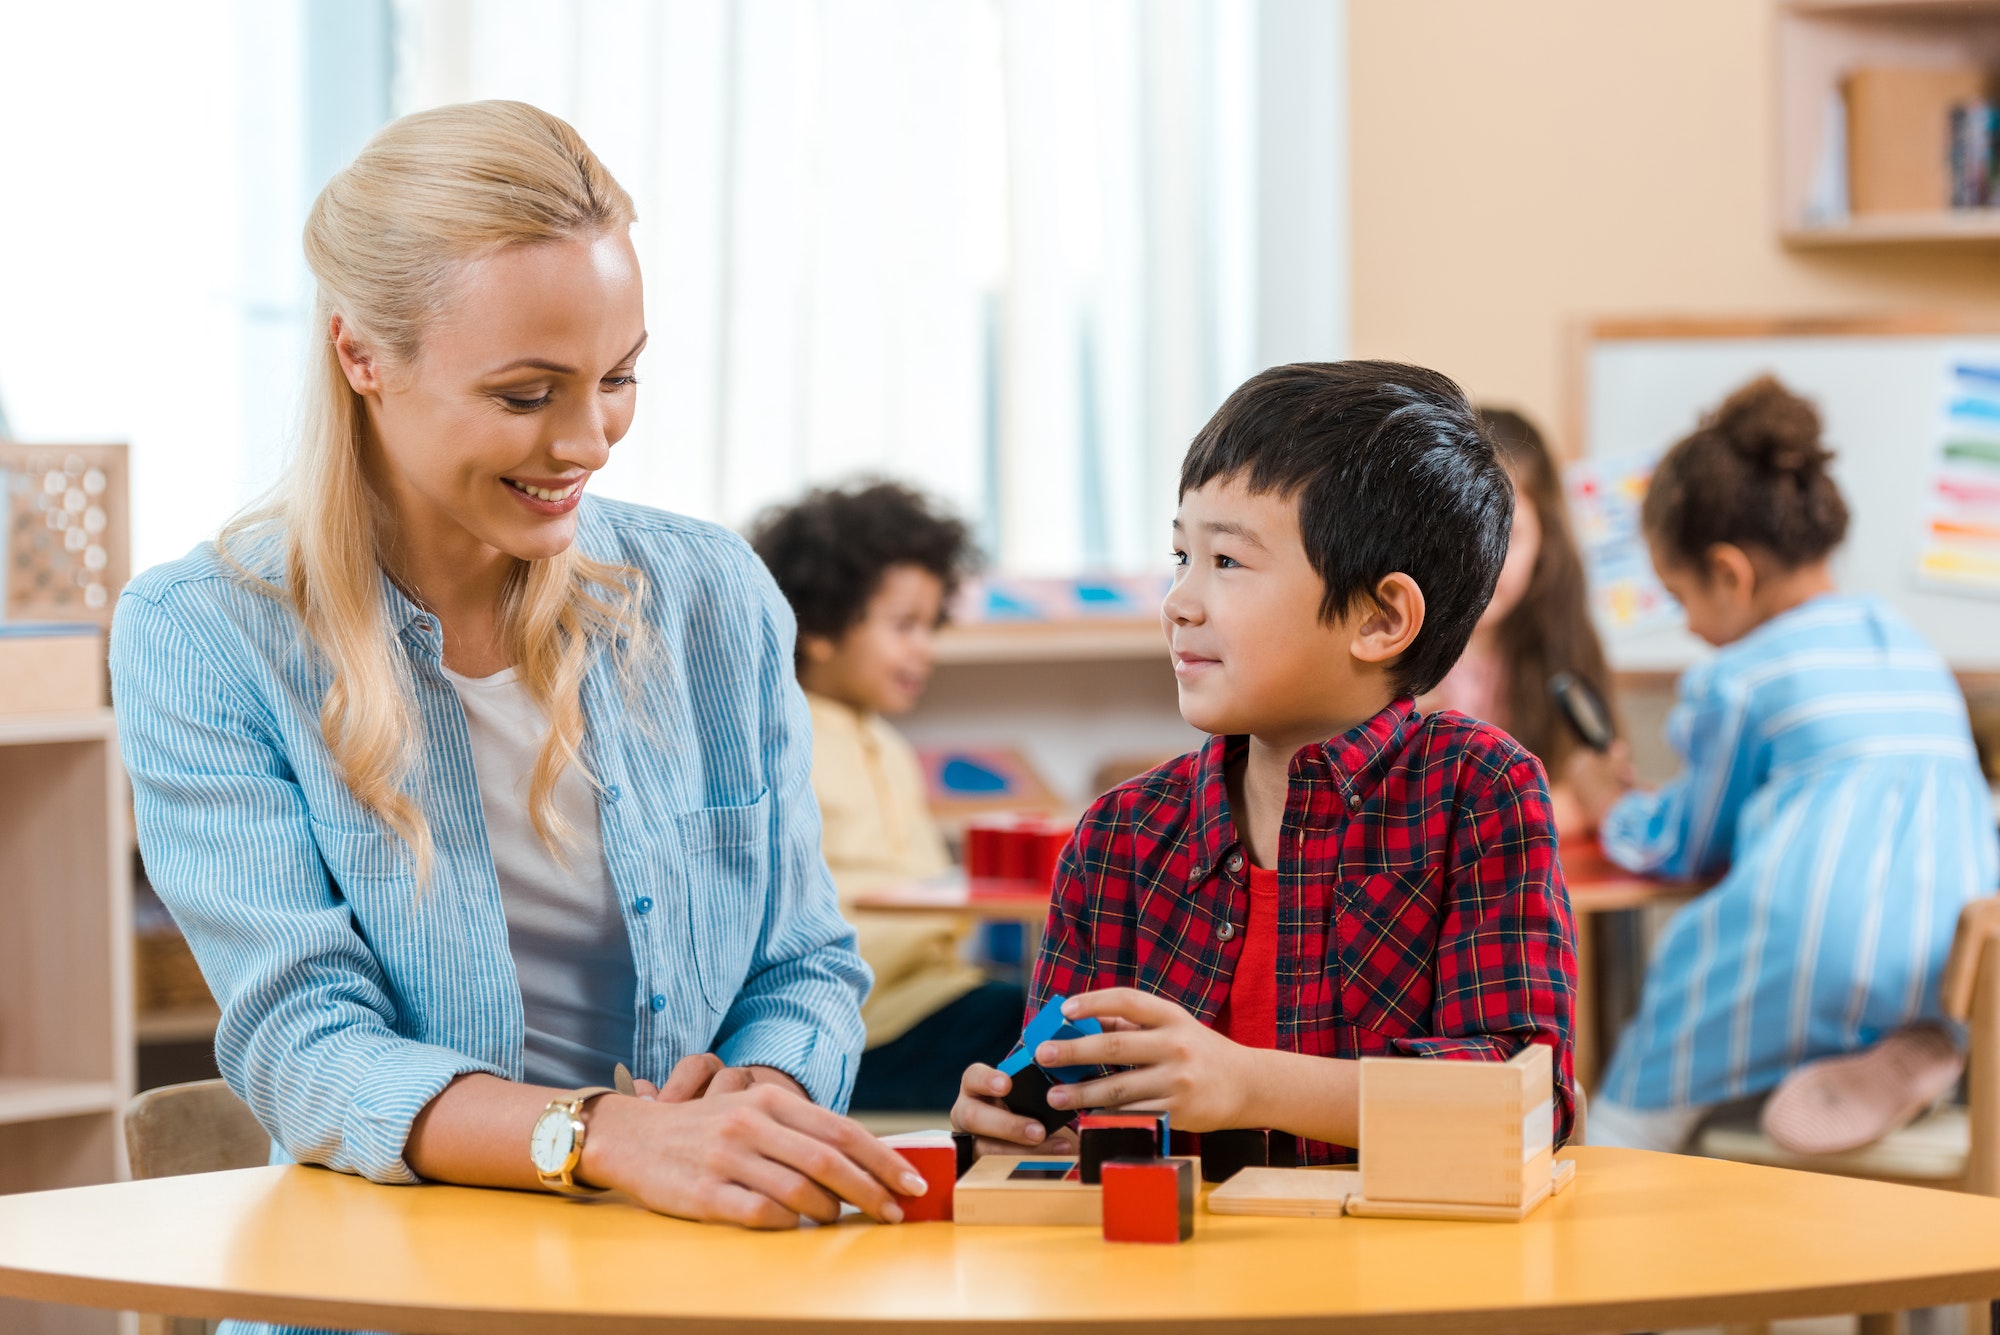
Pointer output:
65, 967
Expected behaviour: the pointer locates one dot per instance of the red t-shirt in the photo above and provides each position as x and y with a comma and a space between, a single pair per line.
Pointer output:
1250, 1015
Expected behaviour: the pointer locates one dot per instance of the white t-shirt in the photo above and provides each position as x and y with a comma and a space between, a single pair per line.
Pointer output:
564, 929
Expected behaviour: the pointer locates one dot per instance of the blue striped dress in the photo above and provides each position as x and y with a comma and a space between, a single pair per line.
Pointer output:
1830, 781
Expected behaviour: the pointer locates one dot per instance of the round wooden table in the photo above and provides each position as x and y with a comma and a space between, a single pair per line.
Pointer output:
1641, 1241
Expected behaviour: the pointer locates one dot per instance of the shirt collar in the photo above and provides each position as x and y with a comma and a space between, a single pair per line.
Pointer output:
1357, 760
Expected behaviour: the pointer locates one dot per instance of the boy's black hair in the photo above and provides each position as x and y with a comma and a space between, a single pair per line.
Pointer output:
830, 549
1392, 471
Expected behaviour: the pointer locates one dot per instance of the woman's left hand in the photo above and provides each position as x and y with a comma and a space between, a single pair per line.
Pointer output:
1179, 1065
703, 1075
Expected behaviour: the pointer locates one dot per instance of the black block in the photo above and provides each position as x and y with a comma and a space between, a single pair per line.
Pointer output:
967, 1146
1226, 1153
1029, 1097
1281, 1149
1101, 1143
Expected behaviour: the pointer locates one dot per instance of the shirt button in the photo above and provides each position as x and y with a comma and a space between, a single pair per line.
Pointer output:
1354, 801
658, 1003
612, 794
1235, 863
1227, 932
644, 904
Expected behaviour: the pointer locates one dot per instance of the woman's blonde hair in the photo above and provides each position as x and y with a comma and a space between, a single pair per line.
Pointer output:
385, 239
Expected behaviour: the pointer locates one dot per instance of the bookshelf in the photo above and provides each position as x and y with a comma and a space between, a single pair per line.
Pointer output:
66, 1057
1818, 41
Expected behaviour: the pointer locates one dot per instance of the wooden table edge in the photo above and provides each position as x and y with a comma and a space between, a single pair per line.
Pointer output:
1888, 1295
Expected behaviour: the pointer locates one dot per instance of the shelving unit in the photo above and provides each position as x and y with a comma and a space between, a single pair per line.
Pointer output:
1818, 41
66, 1055
1052, 641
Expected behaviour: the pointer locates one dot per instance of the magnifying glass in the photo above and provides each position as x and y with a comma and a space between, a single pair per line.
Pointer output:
1584, 710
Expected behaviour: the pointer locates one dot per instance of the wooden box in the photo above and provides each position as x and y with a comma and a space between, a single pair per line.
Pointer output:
1030, 1189
51, 669
1899, 134
1463, 1133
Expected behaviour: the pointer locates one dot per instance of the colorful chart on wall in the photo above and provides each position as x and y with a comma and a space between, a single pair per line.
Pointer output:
1959, 539
1604, 499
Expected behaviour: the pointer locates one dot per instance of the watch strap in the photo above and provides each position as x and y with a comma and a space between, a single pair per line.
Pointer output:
565, 1183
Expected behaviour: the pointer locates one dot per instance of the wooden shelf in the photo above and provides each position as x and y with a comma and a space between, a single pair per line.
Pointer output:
1896, 9
1819, 43
85, 725
1052, 642
188, 1024
26, 1099
1956, 225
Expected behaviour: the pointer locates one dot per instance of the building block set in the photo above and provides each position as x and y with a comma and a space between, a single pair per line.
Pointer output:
1440, 1139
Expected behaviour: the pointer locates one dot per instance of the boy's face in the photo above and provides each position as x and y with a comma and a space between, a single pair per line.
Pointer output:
1251, 651
883, 663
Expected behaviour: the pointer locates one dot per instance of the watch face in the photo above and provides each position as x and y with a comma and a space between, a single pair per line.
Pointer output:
551, 1141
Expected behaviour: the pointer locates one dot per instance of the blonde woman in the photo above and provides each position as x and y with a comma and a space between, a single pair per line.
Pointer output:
466, 785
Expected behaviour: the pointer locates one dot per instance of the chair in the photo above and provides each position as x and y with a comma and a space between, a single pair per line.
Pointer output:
1952, 1147
194, 1128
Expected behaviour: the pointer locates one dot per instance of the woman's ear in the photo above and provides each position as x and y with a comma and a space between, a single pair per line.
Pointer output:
1389, 626
356, 363
818, 649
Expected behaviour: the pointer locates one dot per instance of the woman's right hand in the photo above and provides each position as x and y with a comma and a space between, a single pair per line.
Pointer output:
981, 1110
762, 1158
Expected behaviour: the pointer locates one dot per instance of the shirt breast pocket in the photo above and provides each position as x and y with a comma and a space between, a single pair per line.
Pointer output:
726, 865
360, 858
1385, 940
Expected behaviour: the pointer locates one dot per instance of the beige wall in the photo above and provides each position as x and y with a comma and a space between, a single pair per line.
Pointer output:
1520, 166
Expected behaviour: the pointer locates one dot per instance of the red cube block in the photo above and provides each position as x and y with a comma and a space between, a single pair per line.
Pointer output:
938, 1166
1148, 1200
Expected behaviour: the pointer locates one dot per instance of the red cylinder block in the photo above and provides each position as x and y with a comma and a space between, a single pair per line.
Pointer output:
1014, 848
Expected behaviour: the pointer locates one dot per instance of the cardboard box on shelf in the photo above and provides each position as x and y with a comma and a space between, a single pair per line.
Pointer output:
1899, 134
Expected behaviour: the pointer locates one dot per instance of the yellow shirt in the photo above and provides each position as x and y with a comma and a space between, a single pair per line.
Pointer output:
877, 830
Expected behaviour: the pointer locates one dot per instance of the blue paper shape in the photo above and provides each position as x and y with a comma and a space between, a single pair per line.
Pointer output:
1049, 1026
962, 775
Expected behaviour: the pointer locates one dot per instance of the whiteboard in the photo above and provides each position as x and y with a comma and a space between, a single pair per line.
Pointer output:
1880, 398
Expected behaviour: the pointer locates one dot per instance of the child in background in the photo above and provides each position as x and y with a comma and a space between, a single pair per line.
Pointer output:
1830, 780
868, 572
1333, 876
1538, 623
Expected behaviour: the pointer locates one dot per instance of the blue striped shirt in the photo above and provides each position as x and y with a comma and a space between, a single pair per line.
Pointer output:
1831, 782
349, 996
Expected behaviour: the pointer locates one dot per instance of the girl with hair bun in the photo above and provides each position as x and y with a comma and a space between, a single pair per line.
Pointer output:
1829, 780
467, 787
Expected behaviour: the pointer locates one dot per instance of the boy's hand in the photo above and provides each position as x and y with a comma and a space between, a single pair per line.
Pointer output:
1178, 1064
1000, 1130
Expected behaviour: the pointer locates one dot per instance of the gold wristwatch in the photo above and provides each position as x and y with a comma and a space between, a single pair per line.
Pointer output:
555, 1146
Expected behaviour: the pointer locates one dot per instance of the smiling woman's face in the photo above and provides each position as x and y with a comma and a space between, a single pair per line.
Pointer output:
523, 384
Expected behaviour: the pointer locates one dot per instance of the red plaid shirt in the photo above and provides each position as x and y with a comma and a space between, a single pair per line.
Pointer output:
1421, 907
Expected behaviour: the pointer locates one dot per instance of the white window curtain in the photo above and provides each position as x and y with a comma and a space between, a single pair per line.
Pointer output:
1007, 250
1013, 251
